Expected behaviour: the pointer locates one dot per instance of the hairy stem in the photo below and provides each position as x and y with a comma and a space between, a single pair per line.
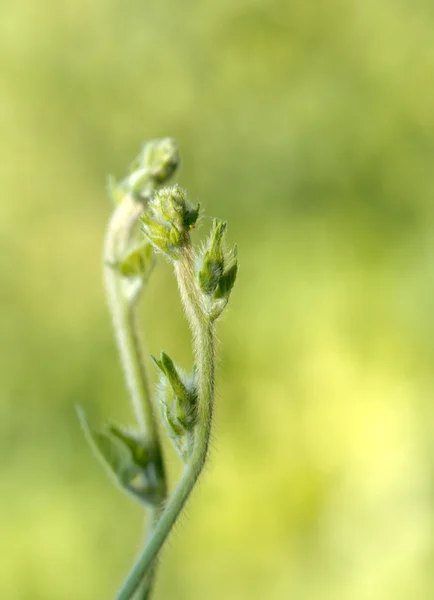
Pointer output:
203, 334
120, 232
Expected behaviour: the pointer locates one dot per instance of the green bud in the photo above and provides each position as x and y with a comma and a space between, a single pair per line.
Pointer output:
162, 159
169, 219
212, 259
128, 460
155, 164
178, 400
217, 271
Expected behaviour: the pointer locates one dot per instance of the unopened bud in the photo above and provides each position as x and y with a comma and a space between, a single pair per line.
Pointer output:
212, 260
217, 271
155, 164
169, 219
226, 281
178, 398
162, 159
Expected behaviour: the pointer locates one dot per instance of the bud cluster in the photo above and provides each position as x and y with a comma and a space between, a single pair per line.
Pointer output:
178, 400
169, 219
217, 270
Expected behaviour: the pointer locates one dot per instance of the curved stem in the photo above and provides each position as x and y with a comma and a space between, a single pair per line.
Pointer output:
120, 233
203, 333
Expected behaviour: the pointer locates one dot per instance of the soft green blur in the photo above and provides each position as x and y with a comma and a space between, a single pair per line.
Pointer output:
309, 127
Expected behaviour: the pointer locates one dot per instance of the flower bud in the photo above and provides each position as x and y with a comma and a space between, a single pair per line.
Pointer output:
162, 159
178, 398
215, 276
227, 280
155, 164
212, 266
169, 219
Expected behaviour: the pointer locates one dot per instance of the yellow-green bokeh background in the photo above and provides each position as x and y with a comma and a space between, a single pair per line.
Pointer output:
309, 127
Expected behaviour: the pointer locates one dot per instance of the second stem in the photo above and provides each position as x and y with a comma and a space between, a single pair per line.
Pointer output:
203, 334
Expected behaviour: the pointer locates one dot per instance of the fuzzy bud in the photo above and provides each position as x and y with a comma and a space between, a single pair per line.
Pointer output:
178, 398
155, 164
217, 271
169, 219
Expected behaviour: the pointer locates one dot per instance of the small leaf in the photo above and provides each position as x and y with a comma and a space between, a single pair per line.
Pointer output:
173, 376
140, 453
127, 459
139, 262
115, 456
158, 363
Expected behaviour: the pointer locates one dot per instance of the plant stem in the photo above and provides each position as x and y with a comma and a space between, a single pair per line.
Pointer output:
144, 591
203, 334
120, 232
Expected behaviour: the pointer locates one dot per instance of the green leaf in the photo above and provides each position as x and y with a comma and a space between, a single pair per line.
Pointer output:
115, 456
139, 262
127, 460
173, 376
140, 454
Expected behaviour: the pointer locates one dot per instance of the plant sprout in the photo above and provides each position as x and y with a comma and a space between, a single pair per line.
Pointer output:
152, 218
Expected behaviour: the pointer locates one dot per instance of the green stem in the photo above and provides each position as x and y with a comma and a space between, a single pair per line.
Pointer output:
144, 591
120, 232
203, 333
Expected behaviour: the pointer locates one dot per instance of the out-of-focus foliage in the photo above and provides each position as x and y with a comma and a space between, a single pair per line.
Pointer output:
309, 127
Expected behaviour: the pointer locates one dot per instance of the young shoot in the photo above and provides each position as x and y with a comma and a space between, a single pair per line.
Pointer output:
151, 218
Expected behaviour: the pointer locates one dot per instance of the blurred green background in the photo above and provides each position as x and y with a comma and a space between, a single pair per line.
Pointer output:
308, 126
